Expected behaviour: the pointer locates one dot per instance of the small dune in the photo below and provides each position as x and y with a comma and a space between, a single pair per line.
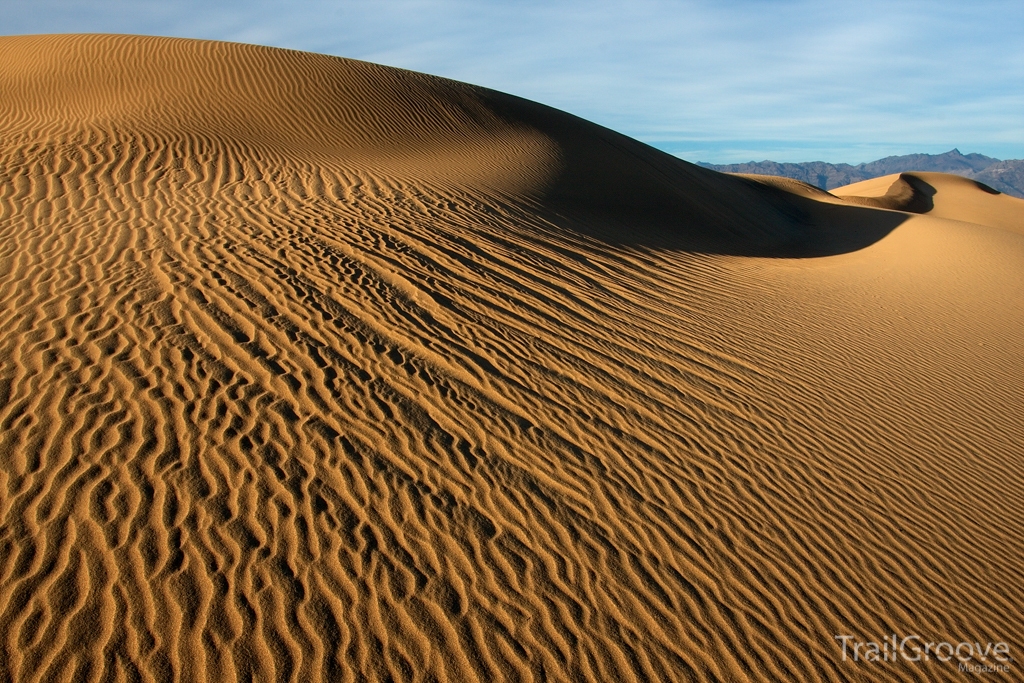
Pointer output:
318, 370
941, 195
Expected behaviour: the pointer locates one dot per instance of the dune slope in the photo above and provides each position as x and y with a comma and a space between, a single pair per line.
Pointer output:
312, 369
941, 195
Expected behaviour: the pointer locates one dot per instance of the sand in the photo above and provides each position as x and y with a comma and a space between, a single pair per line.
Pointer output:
941, 195
312, 369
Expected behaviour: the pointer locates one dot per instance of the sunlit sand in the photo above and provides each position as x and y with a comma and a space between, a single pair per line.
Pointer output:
312, 369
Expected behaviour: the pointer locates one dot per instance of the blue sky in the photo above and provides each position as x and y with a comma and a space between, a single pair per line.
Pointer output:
726, 81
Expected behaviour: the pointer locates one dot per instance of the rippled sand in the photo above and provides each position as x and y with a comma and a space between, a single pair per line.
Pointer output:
312, 369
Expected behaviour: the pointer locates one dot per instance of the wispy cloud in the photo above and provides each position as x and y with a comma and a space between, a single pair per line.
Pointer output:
717, 81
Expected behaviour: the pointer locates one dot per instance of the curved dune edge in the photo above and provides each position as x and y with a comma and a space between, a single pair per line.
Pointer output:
312, 369
940, 195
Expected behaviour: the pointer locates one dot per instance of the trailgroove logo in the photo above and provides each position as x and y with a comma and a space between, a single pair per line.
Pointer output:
971, 657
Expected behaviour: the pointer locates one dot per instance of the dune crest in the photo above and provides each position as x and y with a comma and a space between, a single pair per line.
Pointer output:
312, 369
941, 195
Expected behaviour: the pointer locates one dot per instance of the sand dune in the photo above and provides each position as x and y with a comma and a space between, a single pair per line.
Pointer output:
312, 369
941, 195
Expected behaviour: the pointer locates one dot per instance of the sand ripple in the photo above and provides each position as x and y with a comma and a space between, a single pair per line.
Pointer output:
336, 373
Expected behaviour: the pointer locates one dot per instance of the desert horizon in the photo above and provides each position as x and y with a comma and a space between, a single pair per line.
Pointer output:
316, 369
1005, 176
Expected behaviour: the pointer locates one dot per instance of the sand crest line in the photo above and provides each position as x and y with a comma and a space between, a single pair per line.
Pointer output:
312, 369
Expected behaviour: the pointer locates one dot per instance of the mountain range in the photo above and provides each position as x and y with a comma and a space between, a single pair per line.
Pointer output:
313, 369
1005, 176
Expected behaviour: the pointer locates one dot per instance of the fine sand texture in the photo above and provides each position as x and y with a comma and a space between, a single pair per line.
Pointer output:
316, 370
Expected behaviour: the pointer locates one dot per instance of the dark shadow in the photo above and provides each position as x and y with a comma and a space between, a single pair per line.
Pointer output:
907, 193
621, 191
921, 200
986, 188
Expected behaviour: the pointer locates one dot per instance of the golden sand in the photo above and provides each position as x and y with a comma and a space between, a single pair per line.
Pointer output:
312, 369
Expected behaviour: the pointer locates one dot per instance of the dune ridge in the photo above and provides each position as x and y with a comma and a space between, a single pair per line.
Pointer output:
1005, 176
939, 195
312, 369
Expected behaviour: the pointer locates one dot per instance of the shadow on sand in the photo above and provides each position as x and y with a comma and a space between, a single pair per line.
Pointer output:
621, 191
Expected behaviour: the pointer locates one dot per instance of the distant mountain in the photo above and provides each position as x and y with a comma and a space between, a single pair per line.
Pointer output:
1005, 176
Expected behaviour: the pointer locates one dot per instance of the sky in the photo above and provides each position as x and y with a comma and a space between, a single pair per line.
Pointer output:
720, 81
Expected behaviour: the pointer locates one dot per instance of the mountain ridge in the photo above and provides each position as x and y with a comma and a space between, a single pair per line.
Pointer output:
318, 370
1006, 176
